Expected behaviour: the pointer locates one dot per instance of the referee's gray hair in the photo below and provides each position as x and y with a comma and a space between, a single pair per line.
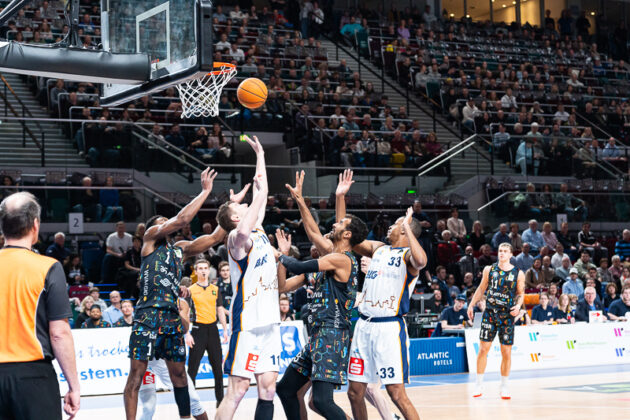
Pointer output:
18, 213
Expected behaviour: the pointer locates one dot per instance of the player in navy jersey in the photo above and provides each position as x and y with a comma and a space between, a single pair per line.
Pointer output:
324, 359
504, 287
157, 329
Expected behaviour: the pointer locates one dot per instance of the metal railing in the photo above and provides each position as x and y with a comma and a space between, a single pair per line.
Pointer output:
446, 156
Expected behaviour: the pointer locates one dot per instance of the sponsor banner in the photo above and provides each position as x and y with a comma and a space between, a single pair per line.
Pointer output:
103, 362
431, 356
558, 346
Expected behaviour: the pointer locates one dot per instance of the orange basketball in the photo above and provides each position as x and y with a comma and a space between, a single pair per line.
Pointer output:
252, 93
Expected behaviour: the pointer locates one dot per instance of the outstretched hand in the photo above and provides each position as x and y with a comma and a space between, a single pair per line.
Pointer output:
296, 192
345, 181
256, 146
237, 198
407, 220
207, 179
284, 241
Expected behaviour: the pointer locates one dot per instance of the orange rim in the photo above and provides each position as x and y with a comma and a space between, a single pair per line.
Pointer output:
230, 67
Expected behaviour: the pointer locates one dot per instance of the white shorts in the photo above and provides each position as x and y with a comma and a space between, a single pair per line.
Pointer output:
158, 369
379, 351
254, 351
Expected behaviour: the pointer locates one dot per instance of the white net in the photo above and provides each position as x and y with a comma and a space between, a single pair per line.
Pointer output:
200, 96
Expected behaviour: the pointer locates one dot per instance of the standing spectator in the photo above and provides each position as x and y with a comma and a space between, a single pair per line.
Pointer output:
500, 237
619, 310
127, 319
515, 238
582, 25
524, 261
109, 200
456, 226
533, 237
589, 243
573, 285
622, 246
96, 320
565, 23
306, 8
117, 244
114, 312
588, 304
543, 312
317, 20
57, 250
34, 309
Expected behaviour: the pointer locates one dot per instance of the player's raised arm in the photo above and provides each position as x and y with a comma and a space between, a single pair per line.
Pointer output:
286, 285
418, 258
323, 245
481, 290
202, 243
345, 182
239, 237
186, 214
261, 174
520, 294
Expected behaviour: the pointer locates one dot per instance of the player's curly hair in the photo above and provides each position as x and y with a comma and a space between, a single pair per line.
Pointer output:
357, 228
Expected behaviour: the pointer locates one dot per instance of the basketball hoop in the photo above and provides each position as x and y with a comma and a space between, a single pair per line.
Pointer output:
200, 96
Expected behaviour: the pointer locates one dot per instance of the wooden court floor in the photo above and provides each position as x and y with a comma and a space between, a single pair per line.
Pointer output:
596, 393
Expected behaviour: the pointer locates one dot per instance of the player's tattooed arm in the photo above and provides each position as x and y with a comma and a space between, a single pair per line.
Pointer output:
345, 182
286, 285
418, 258
481, 290
202, 243
186, 214
520, 294
323, 244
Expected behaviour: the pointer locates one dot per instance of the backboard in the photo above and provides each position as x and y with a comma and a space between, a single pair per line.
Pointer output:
176, 34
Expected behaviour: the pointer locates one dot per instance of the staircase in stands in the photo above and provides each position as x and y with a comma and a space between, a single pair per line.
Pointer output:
464, 165
59, 151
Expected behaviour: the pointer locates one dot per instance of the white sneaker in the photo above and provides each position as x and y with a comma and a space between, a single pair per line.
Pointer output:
505, 393
478, 391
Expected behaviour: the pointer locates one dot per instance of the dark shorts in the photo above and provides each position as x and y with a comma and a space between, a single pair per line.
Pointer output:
500, 322
157, 334
29, 390
325, 356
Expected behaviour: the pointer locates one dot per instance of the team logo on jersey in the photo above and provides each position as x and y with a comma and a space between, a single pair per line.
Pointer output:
182, 350
178, 252
371, 274
510, 277
261, 261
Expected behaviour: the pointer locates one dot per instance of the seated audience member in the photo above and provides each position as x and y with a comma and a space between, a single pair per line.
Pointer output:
127, 276
622, 246
610, 295
522, 318
573, 285
86, 201
563, 270
588, 304
96, 297
453, 290
602, 271
86, 305
583, 264
515, 238
553, 293
127, 311
75, 273
563, 314
534, 279
285, 310
435, 305
524, 260
549, 237
500, 237
477, 238
556, 259
542, 313
95, 320
533, 237
568, 241
547, 270
57, 250
114, 312
486, 258
589, 243
225, 285
109, 199
447, 250
616, 269
455, 317
619, 310
456, 226
117, 244
468, 263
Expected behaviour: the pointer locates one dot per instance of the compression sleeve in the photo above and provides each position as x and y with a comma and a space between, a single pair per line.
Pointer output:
299, 267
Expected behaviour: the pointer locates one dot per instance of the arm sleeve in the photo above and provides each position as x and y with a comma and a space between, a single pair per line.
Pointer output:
56, 298
298, 267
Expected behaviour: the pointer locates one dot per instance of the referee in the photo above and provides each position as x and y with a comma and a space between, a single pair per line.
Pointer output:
34, 309
207, 306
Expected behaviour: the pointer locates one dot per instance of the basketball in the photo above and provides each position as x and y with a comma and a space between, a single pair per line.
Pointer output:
252, 93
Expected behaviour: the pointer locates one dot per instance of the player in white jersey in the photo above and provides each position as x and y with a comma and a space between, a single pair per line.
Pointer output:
380, 345
255, 345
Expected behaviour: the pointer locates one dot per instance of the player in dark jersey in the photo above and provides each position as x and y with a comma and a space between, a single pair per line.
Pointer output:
504, 287
157, 329
324, 359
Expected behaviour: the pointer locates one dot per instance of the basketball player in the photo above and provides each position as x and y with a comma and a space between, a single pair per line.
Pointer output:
255, 346
324, 359
380, 346
157, 329
505, 285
